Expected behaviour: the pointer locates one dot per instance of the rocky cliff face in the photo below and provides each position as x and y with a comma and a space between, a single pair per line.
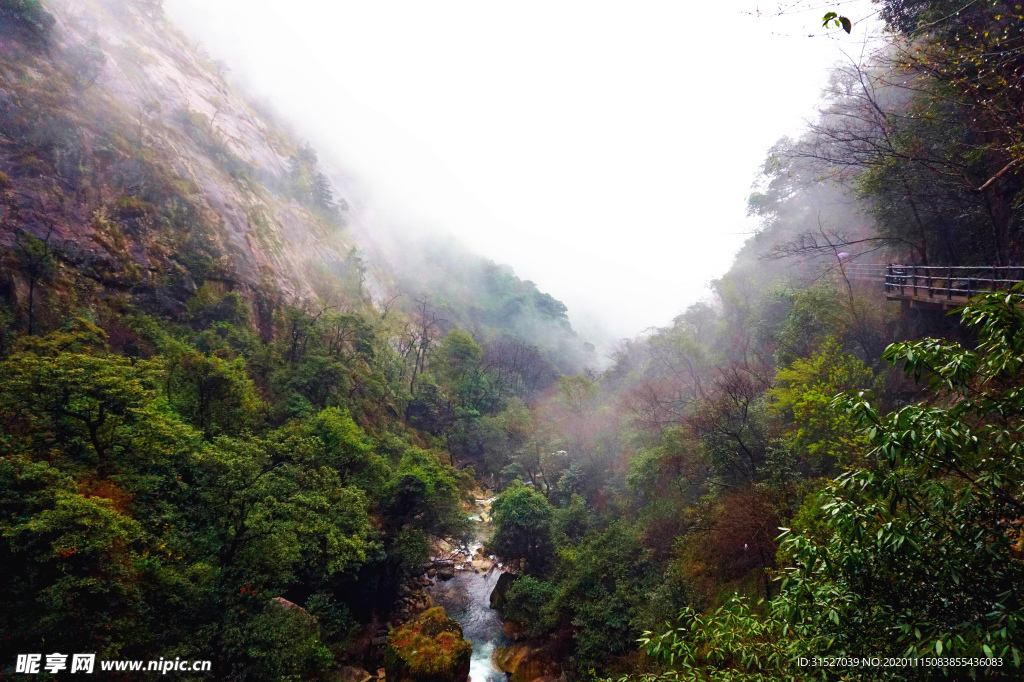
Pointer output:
132, 169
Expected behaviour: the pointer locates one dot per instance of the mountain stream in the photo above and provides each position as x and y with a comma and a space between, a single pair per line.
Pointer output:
466, 596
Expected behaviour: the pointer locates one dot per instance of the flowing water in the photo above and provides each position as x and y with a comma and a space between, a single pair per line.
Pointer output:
466, 598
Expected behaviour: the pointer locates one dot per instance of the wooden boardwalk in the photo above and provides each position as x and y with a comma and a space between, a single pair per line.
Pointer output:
944, 286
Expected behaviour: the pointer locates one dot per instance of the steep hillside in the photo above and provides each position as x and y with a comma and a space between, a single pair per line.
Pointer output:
126, 153
145, 173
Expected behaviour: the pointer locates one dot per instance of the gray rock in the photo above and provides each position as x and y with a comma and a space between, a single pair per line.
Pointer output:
505, 581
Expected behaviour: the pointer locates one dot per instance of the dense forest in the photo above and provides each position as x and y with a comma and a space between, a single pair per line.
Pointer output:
230, 433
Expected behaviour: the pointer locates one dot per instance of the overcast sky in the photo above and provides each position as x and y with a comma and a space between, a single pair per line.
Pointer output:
605, 150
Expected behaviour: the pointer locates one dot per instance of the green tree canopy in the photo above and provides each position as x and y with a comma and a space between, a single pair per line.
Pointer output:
522, 519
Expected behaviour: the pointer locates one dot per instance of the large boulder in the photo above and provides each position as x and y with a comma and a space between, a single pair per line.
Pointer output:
524, 663
282, 603
429, 648
351, 674
505, 581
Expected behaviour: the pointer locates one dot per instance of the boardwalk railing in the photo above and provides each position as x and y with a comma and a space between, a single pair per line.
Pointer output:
858, 271
938, 283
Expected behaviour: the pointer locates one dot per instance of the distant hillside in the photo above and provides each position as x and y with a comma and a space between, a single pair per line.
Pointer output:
470, 292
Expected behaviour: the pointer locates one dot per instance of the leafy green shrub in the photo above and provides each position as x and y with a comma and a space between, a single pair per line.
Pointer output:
334, 617
524, 604
802, 395
522, 527
282, 643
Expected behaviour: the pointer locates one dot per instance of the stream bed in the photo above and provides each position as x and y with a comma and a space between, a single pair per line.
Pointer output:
466, 598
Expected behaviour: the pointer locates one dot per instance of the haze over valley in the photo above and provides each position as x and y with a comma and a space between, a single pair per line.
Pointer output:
561, 139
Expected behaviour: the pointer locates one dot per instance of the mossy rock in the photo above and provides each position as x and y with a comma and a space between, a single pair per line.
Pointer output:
429, 648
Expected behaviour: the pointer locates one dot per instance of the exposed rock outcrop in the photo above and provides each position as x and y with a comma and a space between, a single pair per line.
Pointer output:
525, 663
505, 581
156, 176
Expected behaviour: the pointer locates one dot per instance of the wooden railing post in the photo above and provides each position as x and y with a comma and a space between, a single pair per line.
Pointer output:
913, 273
949, 284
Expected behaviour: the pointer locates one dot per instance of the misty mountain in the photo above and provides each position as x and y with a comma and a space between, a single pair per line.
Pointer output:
147, 174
